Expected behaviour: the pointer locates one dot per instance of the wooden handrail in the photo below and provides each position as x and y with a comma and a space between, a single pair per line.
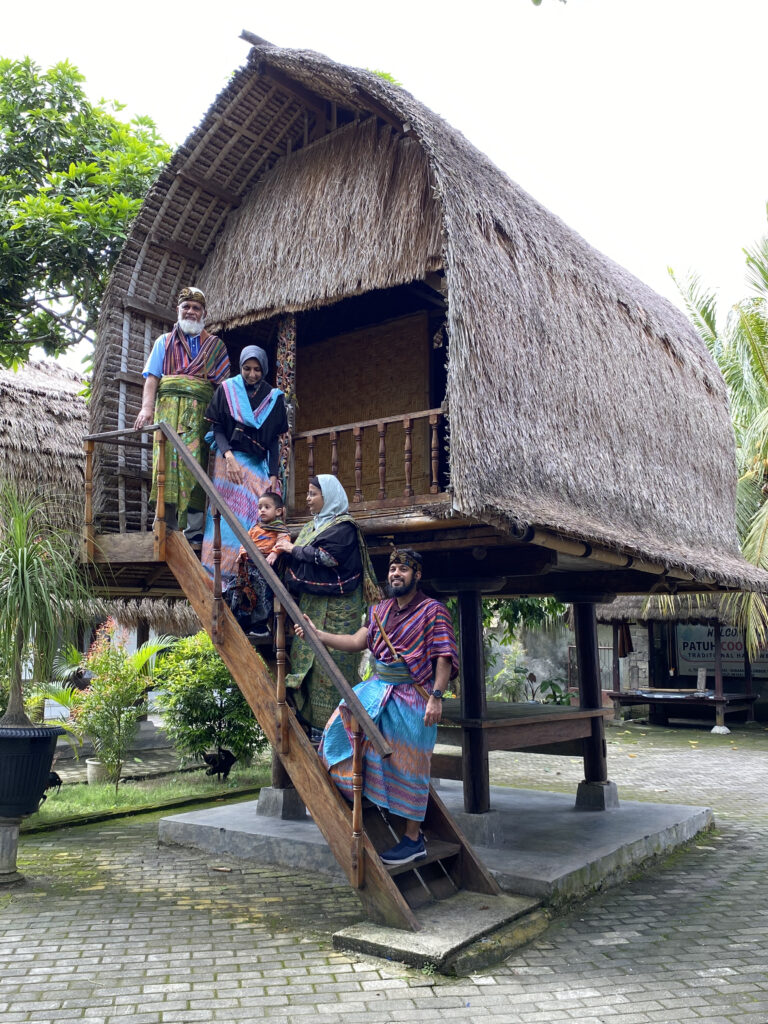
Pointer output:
321, 431
274, 582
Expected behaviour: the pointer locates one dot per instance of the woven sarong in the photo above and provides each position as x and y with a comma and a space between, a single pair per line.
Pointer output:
243, 499
400, 783
314, 694
181, 403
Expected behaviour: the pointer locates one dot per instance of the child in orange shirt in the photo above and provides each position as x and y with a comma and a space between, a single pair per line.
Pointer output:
248, 595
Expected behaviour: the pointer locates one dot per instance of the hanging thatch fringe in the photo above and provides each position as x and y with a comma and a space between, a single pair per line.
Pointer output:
388, 233
695, 608
172, 617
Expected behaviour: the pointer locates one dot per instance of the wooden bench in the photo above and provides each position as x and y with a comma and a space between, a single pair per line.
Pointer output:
541, 728
666, 704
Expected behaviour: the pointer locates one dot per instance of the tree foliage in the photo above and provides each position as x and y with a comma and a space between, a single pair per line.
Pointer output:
72, 178
740, 349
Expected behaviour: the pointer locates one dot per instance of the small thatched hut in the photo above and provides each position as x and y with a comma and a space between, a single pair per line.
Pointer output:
43, 419
390, 268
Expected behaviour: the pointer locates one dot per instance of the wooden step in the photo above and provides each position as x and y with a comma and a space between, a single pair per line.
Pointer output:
437, 850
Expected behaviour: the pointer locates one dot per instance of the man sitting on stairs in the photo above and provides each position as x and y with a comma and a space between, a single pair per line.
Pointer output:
413, 645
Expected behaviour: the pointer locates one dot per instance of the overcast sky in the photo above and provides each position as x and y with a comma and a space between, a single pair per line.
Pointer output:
639, 122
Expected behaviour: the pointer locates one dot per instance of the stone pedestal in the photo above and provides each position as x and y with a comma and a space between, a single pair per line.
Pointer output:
597, 796
281, 803
9, 844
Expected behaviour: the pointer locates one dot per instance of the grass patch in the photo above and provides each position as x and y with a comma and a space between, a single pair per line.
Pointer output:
78, 802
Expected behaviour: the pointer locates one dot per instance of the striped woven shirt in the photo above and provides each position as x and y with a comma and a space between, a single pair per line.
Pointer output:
420, 632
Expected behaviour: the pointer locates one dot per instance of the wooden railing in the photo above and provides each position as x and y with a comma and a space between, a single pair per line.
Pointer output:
386, 458
219, 507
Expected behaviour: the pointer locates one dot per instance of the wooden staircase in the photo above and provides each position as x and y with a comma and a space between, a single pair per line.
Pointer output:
354, 833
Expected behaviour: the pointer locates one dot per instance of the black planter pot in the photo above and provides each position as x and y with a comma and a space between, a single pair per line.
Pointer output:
26, 756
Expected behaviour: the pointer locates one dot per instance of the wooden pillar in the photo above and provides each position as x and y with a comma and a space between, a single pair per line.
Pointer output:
616, 673
719, 705
748, 681
587, 658
477, 792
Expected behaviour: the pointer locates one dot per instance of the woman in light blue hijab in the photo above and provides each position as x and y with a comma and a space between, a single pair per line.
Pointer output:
328, 568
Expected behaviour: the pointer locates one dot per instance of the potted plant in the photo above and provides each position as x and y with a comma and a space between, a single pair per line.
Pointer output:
42, 593
116, 698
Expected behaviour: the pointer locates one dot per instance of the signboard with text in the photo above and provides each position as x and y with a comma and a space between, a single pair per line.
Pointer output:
696, 649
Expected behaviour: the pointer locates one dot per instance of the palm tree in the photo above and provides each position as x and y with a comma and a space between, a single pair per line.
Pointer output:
42, 593
740, 349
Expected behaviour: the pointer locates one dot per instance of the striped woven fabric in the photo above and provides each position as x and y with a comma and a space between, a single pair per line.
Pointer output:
211, 362
400, 783
420, 636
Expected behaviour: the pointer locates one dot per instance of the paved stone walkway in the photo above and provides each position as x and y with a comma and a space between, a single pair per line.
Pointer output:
111, 928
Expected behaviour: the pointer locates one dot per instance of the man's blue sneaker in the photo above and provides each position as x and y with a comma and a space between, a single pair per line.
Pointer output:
405, 851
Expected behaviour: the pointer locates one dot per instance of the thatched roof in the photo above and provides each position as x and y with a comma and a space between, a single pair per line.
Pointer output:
694, 608
580, 401
42, 423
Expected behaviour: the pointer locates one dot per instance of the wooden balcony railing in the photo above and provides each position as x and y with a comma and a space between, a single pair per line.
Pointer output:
390, 466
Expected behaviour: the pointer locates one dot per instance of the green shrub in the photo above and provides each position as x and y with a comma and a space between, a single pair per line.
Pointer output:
202, 707
115, 700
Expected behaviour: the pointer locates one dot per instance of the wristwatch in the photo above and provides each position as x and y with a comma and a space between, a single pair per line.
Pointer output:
438, 694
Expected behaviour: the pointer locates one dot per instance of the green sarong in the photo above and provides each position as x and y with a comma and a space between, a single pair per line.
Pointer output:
314, 693
181, 403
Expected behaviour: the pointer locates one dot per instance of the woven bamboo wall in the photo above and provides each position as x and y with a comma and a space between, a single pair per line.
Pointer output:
381, 370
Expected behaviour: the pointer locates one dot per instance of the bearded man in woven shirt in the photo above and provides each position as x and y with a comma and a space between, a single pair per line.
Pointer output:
183, 370
412, 641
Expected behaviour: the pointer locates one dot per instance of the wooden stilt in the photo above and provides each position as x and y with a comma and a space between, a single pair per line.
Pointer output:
89, 548
477, 791
616, 672
160, 527
587, 657
748, 681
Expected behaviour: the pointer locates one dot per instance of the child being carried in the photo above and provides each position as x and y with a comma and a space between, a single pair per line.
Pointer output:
248, 596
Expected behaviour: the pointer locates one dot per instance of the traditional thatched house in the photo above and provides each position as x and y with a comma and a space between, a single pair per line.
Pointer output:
488, 387
417, 275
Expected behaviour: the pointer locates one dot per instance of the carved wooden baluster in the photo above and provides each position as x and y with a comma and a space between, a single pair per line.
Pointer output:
434, 419
217, 599
408, 455
160, 527
358, 874
334, 452
358, 433
311, 442
382, 461
89, 547
282, 706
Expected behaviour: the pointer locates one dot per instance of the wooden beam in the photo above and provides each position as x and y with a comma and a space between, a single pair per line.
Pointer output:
304, 96
135, 304
211, 187
130, 377
173, 245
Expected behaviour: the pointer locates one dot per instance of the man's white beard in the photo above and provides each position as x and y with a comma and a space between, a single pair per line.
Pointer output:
192, 327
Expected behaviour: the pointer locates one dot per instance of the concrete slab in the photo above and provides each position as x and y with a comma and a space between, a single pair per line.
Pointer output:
464, 932
535, 843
